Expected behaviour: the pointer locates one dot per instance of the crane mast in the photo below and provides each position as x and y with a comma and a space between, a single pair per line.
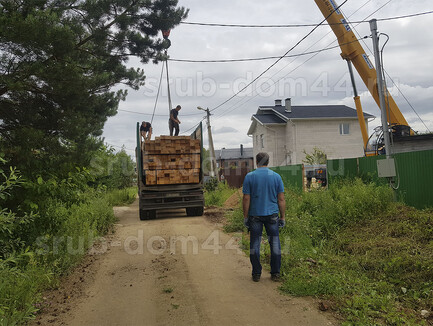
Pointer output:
353, 53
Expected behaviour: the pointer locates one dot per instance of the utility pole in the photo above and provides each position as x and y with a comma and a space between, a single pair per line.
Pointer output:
211, 148
380, 87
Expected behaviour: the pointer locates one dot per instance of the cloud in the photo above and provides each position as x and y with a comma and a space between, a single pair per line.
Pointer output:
319, 79
225, 130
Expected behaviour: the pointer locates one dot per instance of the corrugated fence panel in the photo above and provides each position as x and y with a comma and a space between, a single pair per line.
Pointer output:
414, 179
291, 175
415, 171
367, 169
347, 168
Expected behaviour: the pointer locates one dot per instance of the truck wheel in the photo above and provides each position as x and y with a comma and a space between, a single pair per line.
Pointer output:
199, 211
194, 211
147, 214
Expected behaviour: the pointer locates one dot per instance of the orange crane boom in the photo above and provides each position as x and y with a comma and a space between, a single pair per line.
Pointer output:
352, 51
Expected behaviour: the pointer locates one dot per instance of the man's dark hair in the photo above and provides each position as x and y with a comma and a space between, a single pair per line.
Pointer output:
262, 159
178, 107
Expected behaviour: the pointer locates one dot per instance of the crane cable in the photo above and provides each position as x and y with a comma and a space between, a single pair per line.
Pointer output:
157, 94
168, 84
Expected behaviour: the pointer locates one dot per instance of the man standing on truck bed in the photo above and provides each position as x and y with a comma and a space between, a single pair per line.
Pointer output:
146, 130
263, 198
174, 121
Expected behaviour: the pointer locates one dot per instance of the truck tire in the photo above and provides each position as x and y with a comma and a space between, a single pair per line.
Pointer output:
195, 211
147, 214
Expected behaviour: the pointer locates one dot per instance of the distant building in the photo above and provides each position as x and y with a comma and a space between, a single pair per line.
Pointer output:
286, 131
234, 163
234, 157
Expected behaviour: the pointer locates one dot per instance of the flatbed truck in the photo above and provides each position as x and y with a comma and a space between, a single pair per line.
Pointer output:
158, 190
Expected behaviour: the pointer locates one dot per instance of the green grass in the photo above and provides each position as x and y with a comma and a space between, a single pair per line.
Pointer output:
235, 220
124, 196
354, 246
167, 290
175, 306
70, 232
218, 196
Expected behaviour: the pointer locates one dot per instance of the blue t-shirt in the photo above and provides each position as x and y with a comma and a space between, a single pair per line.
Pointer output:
263, 185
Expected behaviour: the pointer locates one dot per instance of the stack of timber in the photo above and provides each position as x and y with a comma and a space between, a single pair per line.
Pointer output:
171, 160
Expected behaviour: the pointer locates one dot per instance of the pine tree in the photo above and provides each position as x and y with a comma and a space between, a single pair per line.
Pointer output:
59, 62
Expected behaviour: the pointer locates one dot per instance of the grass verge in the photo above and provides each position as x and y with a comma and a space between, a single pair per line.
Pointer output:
218, 195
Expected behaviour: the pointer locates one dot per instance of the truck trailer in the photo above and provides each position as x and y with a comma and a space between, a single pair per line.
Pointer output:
170, 174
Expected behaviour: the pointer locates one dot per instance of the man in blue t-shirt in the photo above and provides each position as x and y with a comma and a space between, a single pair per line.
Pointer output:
263, 198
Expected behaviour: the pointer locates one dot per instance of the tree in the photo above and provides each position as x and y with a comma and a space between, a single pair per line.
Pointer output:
316, 157
206, 166
115, 170
59, 61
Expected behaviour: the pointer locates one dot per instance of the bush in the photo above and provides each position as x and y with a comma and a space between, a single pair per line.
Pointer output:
218, 196
345, 203
113, 170
47, 235
124, 196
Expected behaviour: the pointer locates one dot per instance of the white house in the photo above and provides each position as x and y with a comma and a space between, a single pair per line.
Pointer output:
286, 131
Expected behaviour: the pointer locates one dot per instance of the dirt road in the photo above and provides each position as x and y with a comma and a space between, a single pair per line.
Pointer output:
172, 271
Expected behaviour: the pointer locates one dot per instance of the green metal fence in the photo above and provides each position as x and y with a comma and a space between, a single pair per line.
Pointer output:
292, 175
414, 179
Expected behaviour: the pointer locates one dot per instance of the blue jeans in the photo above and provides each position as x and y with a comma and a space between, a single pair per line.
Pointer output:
256, 228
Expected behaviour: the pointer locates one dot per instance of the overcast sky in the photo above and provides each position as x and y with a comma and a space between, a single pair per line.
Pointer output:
310, 79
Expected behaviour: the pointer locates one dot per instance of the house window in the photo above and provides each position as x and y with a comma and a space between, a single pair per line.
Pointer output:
344, 128
262, 141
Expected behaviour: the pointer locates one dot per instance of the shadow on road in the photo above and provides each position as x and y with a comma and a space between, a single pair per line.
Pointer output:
171, 213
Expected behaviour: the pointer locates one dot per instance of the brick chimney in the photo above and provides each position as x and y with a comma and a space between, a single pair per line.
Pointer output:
288, 103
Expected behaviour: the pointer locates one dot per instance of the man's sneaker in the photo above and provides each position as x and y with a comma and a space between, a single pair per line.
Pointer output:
276, 277
256, 277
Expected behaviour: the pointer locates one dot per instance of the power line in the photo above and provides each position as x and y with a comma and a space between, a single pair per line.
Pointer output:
272, 65
261, 58
301, 25
156, 115
194, 127
122, 147
235, 106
